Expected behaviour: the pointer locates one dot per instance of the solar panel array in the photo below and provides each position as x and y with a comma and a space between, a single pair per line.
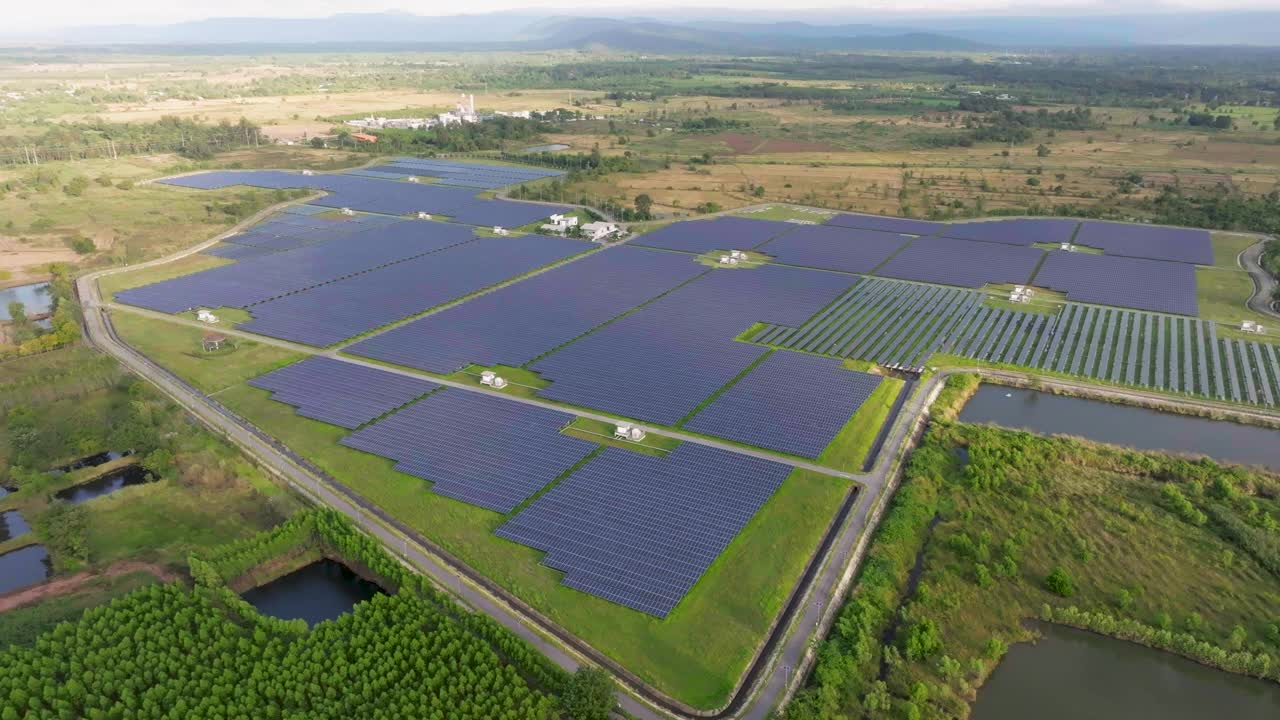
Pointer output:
476, 448
722, 233
385, 196
892, 323
520, 322
886, 224
1127, 282
231, 251
897, 323
269, 276
339, 310
341, 393
640, 530
660, 362
474, 175
1148, 241
1016, 231
962, 262
834, 248
790, 402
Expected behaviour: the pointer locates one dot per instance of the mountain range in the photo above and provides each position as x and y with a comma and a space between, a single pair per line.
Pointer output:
700, 32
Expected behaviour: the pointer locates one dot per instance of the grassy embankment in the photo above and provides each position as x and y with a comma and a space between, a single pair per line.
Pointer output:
1030, 522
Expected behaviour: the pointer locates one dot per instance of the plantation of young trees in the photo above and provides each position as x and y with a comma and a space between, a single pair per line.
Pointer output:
169, 652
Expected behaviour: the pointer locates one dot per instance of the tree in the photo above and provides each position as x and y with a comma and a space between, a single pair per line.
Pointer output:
588, 695
317, 143
1042, 151
644, 204
1060, 583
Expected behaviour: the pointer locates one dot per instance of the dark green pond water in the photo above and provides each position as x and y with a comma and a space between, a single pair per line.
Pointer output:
105, 485
24, 567
321, 591
1074, 675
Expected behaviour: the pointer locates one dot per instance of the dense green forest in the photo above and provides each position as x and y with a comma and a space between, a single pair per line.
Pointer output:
1009, 527
170, 652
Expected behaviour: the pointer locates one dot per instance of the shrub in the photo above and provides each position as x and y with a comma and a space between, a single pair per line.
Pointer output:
1060, 583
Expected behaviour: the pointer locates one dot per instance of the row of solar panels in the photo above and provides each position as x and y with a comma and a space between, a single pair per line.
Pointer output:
1152, 242
901, 324
383, 196
1154, 285
330, 291
630, 528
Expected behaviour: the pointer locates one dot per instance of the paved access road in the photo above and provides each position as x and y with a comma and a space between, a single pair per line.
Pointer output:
1264, 284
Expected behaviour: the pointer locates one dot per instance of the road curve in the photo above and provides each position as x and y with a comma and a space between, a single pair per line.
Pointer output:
1264, 285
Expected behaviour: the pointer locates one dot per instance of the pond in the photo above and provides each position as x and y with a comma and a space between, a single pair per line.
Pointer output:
1136, 427
36, 298
323, 590
1071, 674
547, 148
12, 525
105, 485
24, 567
101, 458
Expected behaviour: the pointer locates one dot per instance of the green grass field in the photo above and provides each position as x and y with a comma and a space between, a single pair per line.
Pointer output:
850, 447
164, 521
114, 283
695, 654
178, 348
600, 432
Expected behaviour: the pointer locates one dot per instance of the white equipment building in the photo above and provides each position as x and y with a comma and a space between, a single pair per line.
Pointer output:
492, 379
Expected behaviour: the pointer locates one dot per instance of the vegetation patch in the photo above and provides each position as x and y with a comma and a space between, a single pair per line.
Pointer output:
1020, 526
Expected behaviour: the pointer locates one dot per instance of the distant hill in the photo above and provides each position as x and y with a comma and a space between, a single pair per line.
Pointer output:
698, 30
650, 36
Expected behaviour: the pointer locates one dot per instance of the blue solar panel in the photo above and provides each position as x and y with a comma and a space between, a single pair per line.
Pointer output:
377, 195
270, 276
339, 310
834, 248
516, 324
1148, 241
886, 224
962, 262
503, 213
1126, 282
476, 448
341, 393
660, 362
790, 402
640, 530
722, 233
1017, 231
236, 252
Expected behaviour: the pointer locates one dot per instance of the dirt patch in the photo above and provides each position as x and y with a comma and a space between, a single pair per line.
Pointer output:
66, 585
744, 144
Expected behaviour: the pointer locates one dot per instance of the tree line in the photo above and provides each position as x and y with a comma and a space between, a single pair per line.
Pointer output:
166, 651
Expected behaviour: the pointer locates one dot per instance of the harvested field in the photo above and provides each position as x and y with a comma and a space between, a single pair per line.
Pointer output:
744, 144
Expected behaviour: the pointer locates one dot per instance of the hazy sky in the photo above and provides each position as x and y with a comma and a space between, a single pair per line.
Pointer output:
45, 14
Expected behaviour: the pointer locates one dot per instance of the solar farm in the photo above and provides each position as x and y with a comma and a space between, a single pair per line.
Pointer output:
777, 358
